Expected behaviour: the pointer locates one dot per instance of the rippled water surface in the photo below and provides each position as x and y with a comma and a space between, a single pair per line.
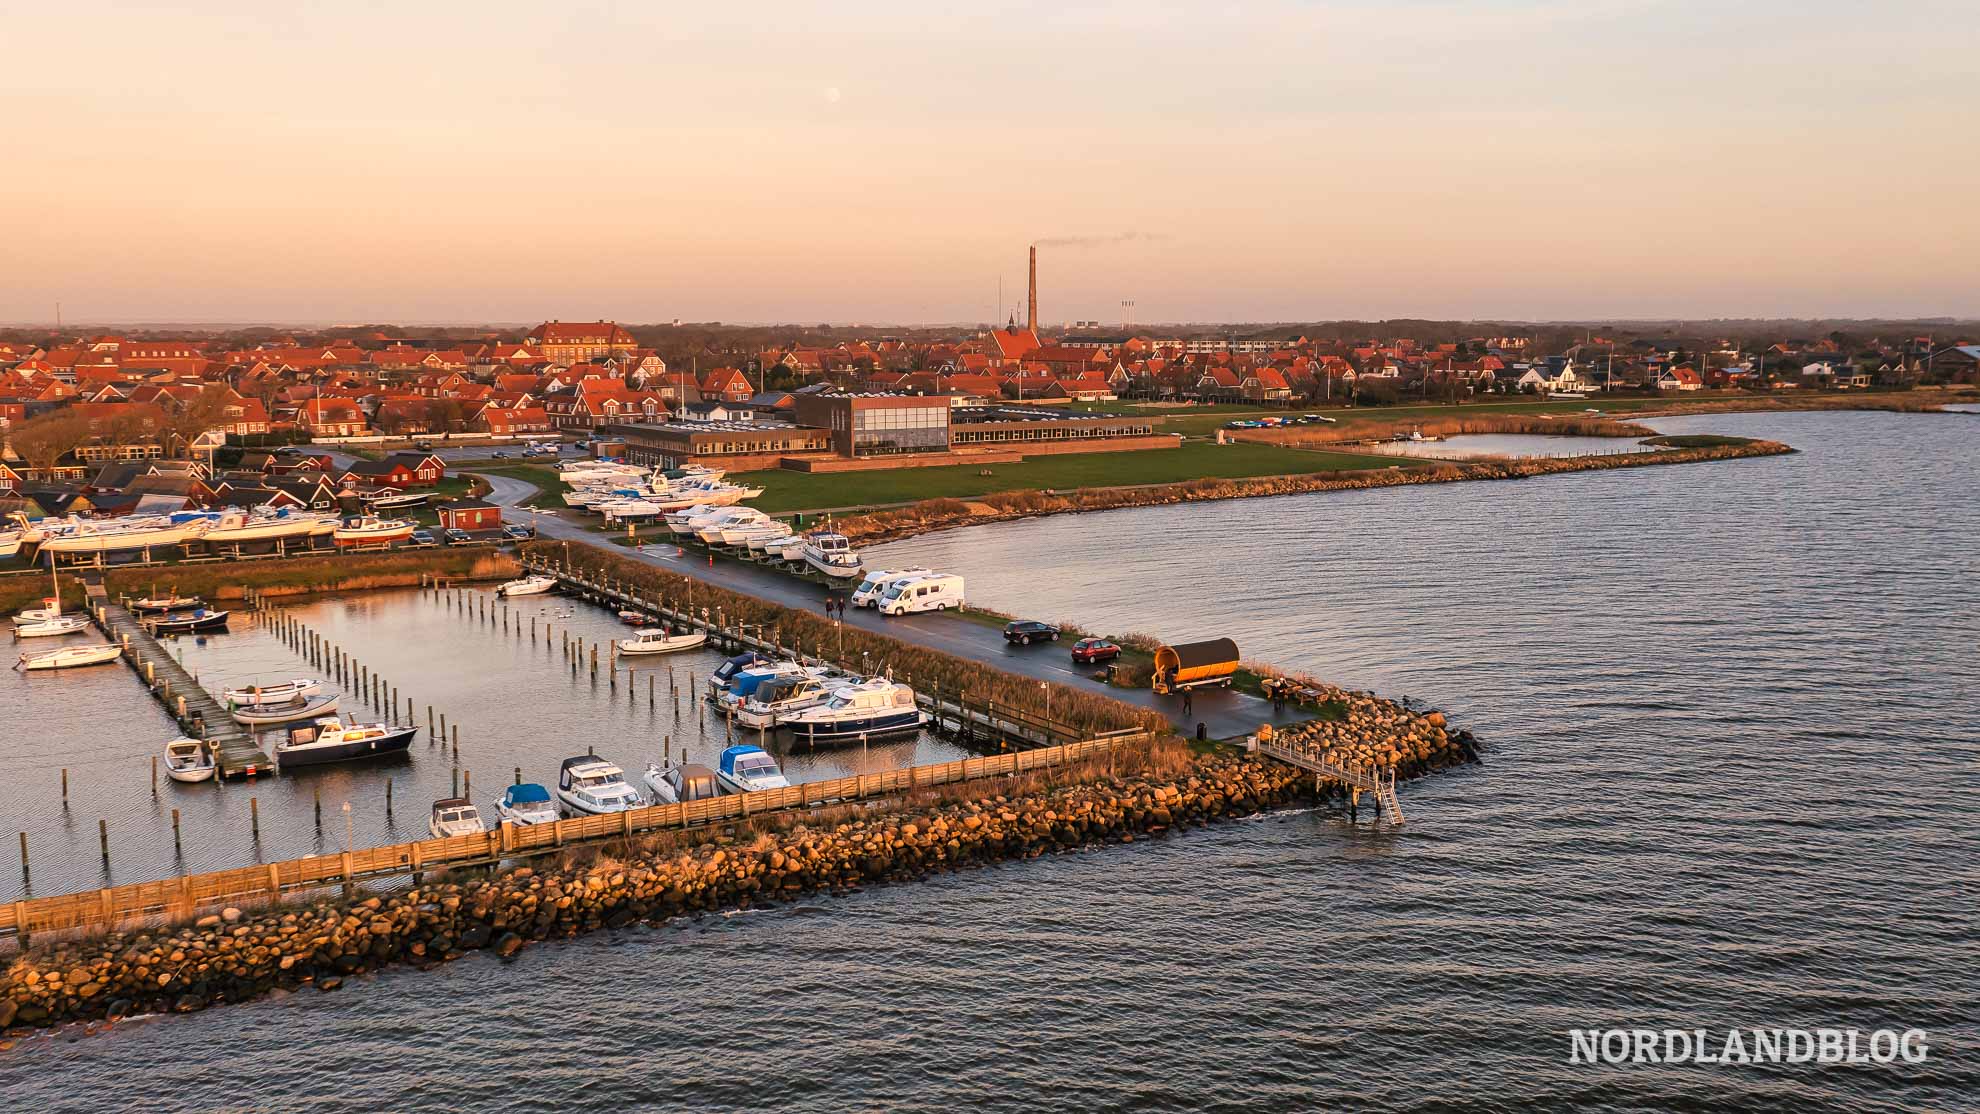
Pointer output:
1733, 728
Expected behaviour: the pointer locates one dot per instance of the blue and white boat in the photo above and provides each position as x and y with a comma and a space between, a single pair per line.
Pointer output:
744, 684
780, 697
744, 768
718, 681
526, 803
859, 711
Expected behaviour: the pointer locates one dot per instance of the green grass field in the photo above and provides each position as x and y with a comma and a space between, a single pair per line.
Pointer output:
801, 491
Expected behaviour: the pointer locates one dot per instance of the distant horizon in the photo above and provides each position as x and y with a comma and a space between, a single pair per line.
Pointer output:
1284, 160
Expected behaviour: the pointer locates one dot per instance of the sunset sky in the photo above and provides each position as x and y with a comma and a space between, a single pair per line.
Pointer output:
889, 162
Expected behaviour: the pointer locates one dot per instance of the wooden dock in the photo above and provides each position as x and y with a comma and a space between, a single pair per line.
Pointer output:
198, 713
1380, 784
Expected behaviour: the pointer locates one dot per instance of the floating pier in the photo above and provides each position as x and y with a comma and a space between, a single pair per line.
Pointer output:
198, 713
1381, 784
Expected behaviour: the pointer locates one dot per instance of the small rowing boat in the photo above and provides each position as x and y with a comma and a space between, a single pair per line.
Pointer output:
161, 605
188, 760
199, 619
294, 710
262, 696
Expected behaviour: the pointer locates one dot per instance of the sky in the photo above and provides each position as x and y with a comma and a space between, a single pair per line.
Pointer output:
890, 162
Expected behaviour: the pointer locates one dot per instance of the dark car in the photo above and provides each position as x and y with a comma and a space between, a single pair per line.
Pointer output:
421, 538
458, 537
520, 533
1090, 650
1024, 632
423, 446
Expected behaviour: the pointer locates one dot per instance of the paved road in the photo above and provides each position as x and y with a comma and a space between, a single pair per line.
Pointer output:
1223, 712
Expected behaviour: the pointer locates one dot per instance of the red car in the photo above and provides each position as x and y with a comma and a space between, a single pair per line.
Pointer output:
1089, 650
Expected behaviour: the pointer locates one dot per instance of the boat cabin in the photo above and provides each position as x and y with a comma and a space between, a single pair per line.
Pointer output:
693, 782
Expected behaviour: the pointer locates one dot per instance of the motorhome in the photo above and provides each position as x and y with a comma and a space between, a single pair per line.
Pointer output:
934, 592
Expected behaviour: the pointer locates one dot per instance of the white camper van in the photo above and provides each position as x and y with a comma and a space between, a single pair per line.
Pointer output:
932, 592
878, 581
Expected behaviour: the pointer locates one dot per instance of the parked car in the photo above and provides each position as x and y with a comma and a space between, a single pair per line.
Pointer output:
582, 445
1089, 650
500, 455
458, 537
1024, 632
423, 446
519, 533
421, 537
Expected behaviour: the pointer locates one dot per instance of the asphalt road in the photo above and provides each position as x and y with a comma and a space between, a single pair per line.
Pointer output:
1224, 713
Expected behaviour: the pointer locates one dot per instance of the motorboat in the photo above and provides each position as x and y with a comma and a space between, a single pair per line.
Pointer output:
685, 781
747, 522
455, 816
856, 711
746, 768
718, 525
594, 787
296, 709
370, 530
658, 640
747, 681
832, 554
10, 543
629, 510
726, 672
50, 627
262, 696
528, 586
395, 500
91, 536
526, 803
237, 526
790, 548
878, 581
48, 610
634, 618
762, 538
160, 605
187, 622
68, 657
329, 739
189, 760
780, 697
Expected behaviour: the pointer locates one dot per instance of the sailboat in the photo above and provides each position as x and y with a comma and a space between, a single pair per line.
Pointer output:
49, 621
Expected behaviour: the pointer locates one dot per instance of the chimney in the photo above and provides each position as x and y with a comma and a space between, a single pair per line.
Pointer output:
1031, 306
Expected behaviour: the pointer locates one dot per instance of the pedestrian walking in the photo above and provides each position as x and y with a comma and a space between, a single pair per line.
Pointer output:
1187, 708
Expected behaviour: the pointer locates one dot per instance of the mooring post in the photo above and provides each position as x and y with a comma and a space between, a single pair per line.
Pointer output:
24, 865
154, 775
65, 787
319, 809
457, 782
457, 742
518, 780
254, 817
388, 797
177, 847
103, 835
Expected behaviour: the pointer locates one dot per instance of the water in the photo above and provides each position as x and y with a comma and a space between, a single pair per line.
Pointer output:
1469, 445
1731, 781
513, 699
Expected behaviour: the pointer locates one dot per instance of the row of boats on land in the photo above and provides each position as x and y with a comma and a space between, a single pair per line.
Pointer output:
696, 502
75, 536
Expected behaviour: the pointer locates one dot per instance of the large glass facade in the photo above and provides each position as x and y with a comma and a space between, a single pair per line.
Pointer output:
900, 429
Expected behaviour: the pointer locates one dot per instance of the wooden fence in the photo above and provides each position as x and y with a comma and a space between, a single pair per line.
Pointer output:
185, 895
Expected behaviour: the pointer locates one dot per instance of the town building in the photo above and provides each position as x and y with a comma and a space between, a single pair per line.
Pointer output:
574, 342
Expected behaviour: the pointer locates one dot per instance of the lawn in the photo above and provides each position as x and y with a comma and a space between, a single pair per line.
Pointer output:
795, 491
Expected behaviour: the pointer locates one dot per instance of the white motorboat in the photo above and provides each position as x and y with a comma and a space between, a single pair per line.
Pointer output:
594, 787
528, 586
780, 697
864, 710
79, 536
455, 816
391, 500
237, 526
658, 640
744, 682
49, 628
714, 530
526, 803
370, 530
762, 538
261, 696
188, 760
831, 554
791, 548
10, 543
69, 657
746, 768
685, 781
49, 610
629, 510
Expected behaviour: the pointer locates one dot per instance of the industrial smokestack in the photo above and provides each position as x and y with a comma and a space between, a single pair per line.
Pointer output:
1031, 306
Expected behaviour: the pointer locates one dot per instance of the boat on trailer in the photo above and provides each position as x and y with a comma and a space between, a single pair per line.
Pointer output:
832, 554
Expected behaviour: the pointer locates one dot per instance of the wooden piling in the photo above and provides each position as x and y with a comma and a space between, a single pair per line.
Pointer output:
388, 797
254, 817
177, 847
65, 787
154, 775
319, 808
103, 836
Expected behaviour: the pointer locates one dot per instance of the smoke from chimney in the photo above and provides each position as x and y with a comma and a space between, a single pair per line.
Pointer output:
1031, 306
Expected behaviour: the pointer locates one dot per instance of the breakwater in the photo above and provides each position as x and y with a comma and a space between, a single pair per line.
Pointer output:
235, 955
941, 514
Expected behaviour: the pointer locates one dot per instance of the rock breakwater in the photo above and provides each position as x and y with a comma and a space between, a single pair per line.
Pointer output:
236, 955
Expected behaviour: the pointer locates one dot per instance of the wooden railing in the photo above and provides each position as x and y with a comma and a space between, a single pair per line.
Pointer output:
187, 894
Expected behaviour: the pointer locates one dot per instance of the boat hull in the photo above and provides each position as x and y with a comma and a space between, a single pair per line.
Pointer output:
263, 717
311, 754
70, 657
189, 624
889, 723
634, 648
164, 607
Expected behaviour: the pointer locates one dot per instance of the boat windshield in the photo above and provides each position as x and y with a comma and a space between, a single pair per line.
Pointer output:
757, 764
599, 782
